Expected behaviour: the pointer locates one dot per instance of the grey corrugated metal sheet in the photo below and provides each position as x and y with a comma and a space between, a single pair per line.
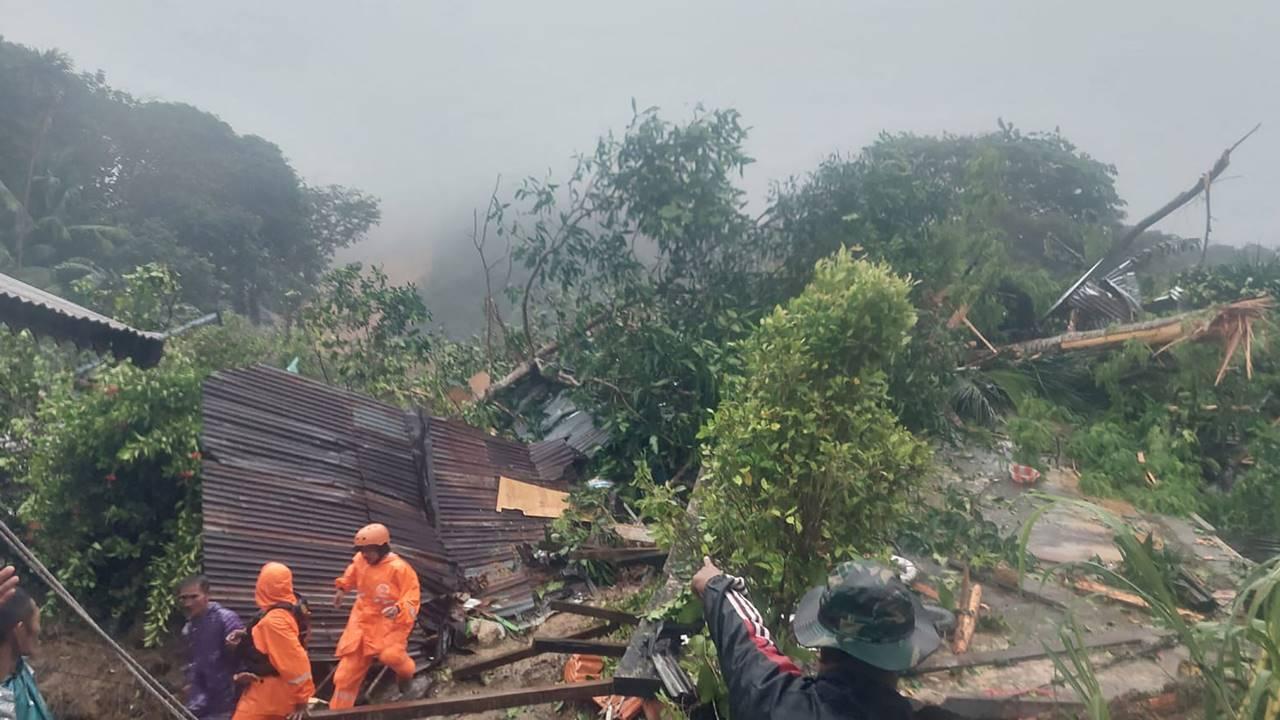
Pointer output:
1099, 307
563, 420
293, 468
24, 306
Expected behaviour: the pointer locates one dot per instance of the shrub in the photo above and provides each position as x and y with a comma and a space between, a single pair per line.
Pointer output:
1166, 479
1036, 431
806, 464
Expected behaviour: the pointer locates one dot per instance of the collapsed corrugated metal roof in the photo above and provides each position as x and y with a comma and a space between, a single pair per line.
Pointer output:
26, 307
294, 467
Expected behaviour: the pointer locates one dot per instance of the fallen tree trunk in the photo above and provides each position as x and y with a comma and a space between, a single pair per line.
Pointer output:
967, 624
1222, 321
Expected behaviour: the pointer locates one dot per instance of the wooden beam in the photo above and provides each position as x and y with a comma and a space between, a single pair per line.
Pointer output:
967, 623
475, 670
606, 648
478, 703
1011, 708
940, 663
613, 616
1126, 598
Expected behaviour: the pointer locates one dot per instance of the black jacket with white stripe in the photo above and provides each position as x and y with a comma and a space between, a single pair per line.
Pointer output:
764, 683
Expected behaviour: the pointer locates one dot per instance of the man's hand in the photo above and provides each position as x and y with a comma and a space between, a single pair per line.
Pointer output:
391, 611
8, 583
704, 575
245, 678
300, 713
234, 638
337, 598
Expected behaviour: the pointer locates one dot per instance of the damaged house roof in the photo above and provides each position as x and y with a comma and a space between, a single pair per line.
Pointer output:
25, 307
294, 467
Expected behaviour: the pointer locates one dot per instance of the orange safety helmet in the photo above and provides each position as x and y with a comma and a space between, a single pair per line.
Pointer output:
375, 534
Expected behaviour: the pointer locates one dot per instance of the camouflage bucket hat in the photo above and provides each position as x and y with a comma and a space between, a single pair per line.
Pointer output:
864, 610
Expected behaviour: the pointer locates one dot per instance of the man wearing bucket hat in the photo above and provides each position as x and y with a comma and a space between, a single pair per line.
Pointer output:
864, 622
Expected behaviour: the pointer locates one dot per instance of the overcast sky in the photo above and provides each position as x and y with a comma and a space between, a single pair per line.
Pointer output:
423, 103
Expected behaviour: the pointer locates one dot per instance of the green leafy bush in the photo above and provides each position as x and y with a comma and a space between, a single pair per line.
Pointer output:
587, 522
1167, 479
805, 462
1036, 431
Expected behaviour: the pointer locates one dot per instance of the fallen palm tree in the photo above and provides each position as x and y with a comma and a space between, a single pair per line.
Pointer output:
1232, 323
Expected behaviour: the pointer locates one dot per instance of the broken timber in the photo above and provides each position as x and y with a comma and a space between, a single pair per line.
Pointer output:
940, 663
613, 616
482, 702
474, 670
603, 648
1221, 321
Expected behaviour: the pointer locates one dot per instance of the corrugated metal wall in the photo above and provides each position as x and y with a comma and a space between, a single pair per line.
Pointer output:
294, 467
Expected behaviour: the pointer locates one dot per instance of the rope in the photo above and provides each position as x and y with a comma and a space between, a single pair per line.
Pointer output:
161, 693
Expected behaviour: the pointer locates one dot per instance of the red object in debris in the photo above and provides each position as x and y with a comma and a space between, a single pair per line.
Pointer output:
1023, 474
591, 667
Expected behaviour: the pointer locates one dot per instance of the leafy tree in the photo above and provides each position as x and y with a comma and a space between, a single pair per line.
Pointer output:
94, 182
642, 264
109, 464
993, 223
805, 462
367, 334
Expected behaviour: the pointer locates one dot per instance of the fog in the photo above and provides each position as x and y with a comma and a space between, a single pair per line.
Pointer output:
425, 103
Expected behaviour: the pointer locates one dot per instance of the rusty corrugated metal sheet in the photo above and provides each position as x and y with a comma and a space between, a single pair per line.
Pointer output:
24, 306
465, 465
293, 469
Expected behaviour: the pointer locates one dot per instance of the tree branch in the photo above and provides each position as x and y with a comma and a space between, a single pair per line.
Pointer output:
562, 236
1183, 198
1208, 221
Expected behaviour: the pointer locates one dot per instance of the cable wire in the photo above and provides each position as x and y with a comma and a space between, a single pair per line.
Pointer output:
152, 685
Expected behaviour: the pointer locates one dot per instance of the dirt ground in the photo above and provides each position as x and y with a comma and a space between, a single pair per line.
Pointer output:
82, 679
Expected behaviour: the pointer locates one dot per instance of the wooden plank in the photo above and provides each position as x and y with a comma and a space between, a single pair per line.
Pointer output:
613, 616
1006, 578
481, 702
605, 648
940, 663
967, 623
620, 555
474, 670
1126, 598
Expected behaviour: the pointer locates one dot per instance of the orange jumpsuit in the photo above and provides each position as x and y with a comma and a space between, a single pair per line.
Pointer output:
276, 636
369, 634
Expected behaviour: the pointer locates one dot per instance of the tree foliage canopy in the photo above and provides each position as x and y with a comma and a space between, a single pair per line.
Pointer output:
94, 182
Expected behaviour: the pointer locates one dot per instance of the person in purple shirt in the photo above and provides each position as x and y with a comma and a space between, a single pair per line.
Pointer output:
211, 666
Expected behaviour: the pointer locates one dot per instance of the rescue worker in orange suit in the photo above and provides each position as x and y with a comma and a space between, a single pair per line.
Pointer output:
384, 614
282, 696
